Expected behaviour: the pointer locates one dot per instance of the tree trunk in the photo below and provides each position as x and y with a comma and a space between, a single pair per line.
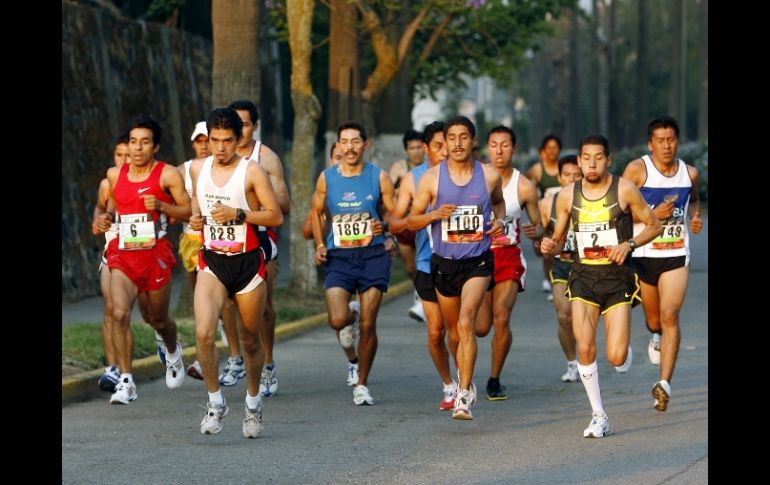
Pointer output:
674, 103
642, 80
344, 77
601, 76
307, 112
235, 71
573, 103
703, 91
616, 132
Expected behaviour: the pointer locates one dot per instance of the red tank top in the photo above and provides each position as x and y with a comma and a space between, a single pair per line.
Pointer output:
129, 196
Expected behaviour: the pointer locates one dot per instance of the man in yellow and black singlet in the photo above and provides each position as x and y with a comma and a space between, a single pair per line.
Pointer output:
599, 209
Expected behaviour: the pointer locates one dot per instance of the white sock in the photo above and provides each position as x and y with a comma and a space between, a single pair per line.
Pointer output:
172, 356
572, 363
666, 386
129, 376
589, 374
252, 402
216, 397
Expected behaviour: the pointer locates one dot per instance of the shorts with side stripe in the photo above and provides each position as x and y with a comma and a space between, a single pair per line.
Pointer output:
510, 265
239, 274
268, 242
605, 286
560, 271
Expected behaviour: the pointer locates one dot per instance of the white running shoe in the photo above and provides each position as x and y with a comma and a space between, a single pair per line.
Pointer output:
352, 374
175, 370
572, 374
450, 394
599, 426
233, 371
349, 334
463, 403
361, 396
195, 371
212, 421
416, 311
252, 421
661, 391
546, 286
622, 369
125, 392
268, 383
653, 349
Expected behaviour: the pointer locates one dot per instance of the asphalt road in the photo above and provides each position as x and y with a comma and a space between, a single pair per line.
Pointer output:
314, 434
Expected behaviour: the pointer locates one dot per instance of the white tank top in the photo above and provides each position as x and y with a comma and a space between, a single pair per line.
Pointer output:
512, 228
189, 188
232, 194
675, 240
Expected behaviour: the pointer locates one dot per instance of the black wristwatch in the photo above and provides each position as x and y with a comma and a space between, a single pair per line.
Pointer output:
632, 243
240, 216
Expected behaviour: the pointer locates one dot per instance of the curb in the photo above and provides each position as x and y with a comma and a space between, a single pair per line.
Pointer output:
83, 386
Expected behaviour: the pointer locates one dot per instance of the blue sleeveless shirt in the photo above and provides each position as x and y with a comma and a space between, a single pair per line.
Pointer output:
353, 203
421, 237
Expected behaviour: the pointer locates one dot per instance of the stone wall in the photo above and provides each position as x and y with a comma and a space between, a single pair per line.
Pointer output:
112, 70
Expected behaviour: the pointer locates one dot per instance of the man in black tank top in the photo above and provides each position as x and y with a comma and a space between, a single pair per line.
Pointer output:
599, 208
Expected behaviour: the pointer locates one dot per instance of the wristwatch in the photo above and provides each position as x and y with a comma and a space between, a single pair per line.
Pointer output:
240, 216
632, 243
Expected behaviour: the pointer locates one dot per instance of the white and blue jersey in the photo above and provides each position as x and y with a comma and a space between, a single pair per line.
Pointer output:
658, 188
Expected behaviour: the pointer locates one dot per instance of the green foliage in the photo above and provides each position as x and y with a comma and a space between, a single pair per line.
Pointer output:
162, 10
490, 40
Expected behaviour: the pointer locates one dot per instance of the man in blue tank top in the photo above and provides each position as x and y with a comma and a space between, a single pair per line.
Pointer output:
670, 187
354, 256
465, 206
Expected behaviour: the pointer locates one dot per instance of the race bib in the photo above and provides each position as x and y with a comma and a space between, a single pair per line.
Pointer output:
465, 225
228, 238
672, 237
137, 231
508, 238
593, 238
352, 230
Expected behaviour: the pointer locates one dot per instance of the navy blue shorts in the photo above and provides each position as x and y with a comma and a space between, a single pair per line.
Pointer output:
357, 270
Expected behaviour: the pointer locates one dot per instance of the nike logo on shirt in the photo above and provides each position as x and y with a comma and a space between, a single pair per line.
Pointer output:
142, 190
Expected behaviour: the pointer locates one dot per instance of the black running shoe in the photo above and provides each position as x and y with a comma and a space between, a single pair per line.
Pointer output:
495, 391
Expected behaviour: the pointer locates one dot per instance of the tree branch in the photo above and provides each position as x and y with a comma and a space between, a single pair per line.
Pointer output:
410, 31
426, 51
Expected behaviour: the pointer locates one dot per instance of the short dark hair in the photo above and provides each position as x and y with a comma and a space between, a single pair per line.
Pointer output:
664, 121
430, 131
144, 121
595, 140
246, 105
225, 119
566, 160
502, 129
352, 125
411, 135
548, 138
460, 120
121, 139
